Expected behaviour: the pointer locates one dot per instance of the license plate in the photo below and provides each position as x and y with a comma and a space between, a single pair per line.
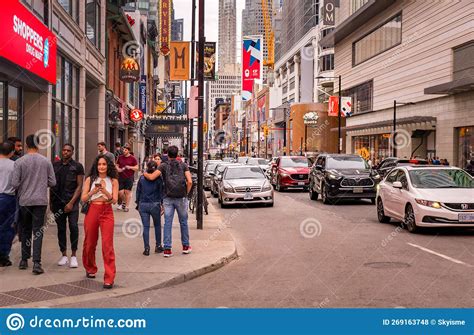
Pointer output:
248, 196
301, 183
358, 190
466, 217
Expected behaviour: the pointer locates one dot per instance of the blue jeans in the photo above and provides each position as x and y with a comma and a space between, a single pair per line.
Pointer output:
7, 217
181, 206
146, 210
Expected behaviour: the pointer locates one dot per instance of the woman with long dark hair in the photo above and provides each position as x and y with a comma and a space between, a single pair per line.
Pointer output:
149, 199
100, 191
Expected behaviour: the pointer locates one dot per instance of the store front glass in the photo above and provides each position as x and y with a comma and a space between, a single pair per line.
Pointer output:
372, 147
65, 106
465, 146
10, 111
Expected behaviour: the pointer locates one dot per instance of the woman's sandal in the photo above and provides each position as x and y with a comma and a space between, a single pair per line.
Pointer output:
90, 275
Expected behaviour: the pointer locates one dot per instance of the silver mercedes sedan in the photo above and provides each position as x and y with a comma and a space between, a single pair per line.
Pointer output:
244, 185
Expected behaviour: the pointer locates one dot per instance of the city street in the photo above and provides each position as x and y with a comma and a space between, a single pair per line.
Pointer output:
301, 253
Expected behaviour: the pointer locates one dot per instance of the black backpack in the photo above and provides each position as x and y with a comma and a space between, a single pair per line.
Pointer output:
175, 180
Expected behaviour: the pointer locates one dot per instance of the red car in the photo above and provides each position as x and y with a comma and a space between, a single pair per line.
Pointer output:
290, 172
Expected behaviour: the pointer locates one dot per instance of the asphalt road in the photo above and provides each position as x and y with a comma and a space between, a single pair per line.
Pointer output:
301, 253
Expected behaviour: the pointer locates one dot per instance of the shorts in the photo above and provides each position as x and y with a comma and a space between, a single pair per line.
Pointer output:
125, 184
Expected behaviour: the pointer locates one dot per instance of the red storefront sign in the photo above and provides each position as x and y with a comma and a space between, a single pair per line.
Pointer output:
26, 41
136, 115
165, 26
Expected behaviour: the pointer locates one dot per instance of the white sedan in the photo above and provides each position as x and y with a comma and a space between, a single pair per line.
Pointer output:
427, 196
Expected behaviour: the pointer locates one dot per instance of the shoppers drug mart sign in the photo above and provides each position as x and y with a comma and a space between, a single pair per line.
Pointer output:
26, 41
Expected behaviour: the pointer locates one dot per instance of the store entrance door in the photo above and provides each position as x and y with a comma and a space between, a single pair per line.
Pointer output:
10, 111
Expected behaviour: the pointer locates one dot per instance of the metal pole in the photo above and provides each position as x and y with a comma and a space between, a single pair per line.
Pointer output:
339, 143
305, 137
301, 146
284, 131
193, 61
202, 40
394, 147
258, 141
266, 145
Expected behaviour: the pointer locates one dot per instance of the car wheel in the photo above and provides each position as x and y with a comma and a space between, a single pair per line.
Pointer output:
324, 196
381, 213
410, 221
223, 205
312, 194
278, 187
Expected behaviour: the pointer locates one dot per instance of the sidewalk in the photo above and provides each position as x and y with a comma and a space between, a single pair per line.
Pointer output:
213, 247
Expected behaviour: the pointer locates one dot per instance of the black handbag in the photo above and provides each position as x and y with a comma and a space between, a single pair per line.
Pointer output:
85, 207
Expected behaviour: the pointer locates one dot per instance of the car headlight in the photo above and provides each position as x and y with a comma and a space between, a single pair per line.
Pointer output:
333, 176
228, 189
377, 177
266, 187
284, 175
427, 203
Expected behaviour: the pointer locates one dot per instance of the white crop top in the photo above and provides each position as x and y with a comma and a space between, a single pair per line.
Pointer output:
108, 187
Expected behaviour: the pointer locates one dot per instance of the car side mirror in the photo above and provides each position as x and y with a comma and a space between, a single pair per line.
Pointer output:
397, 184
319, 167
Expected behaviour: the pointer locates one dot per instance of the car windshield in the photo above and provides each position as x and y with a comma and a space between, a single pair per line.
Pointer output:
294, 162
257, 161
346, 162
221, 168
211, 166
244, 173
441, 178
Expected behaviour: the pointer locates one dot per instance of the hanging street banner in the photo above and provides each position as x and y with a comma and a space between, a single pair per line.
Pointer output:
209, 60
193, 103
179, 60
328, 12
129, 70
165, 26
333, 107
26, 41
251, 64
142, 94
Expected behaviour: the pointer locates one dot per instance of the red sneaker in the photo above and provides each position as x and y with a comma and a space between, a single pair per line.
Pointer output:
167, 253
187, 249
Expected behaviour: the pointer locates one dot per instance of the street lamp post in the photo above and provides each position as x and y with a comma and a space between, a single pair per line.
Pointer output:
202, 40
394, 135
339, 115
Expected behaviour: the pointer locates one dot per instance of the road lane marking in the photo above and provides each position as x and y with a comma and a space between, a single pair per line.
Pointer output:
454, 260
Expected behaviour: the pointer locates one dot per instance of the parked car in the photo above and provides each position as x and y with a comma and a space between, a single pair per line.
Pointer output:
390, 163
427, 196
216, 175
208, 169
290, 172
244, 184
262, 162
228, 160
335, 176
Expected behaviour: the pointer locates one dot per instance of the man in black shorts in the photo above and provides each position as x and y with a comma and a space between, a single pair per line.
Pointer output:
126, 165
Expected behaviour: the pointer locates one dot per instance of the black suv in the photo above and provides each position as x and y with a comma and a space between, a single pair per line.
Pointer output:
342, 176
390, 163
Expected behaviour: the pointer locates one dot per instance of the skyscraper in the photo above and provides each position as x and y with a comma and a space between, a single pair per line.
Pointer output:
227, 33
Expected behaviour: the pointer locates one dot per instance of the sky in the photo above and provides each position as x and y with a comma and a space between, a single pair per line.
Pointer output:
183, 10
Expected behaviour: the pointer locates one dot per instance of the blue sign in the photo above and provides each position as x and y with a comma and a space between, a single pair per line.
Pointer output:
180, 106
142, 94
426, 321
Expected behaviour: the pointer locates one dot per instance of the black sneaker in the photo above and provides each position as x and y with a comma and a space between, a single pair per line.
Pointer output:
5, 261
147, 251
37, 269
23, 264
159, 249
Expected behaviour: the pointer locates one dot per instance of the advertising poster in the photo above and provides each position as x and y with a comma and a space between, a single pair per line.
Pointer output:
209, 60
165, 26
251, 64
179, 61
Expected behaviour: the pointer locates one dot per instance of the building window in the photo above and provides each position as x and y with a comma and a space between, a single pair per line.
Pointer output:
65, 106
70, 6
372, 147
93, 21
326, 62
10, 110
465, 146
357, 4
362, 97
378, 41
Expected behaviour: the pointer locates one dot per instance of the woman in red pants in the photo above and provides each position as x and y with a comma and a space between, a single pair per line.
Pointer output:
101, 191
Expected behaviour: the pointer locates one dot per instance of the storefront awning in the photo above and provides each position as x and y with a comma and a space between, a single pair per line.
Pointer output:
453, 87
388, 123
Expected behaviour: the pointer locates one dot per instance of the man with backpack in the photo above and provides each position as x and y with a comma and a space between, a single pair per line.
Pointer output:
178, 184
